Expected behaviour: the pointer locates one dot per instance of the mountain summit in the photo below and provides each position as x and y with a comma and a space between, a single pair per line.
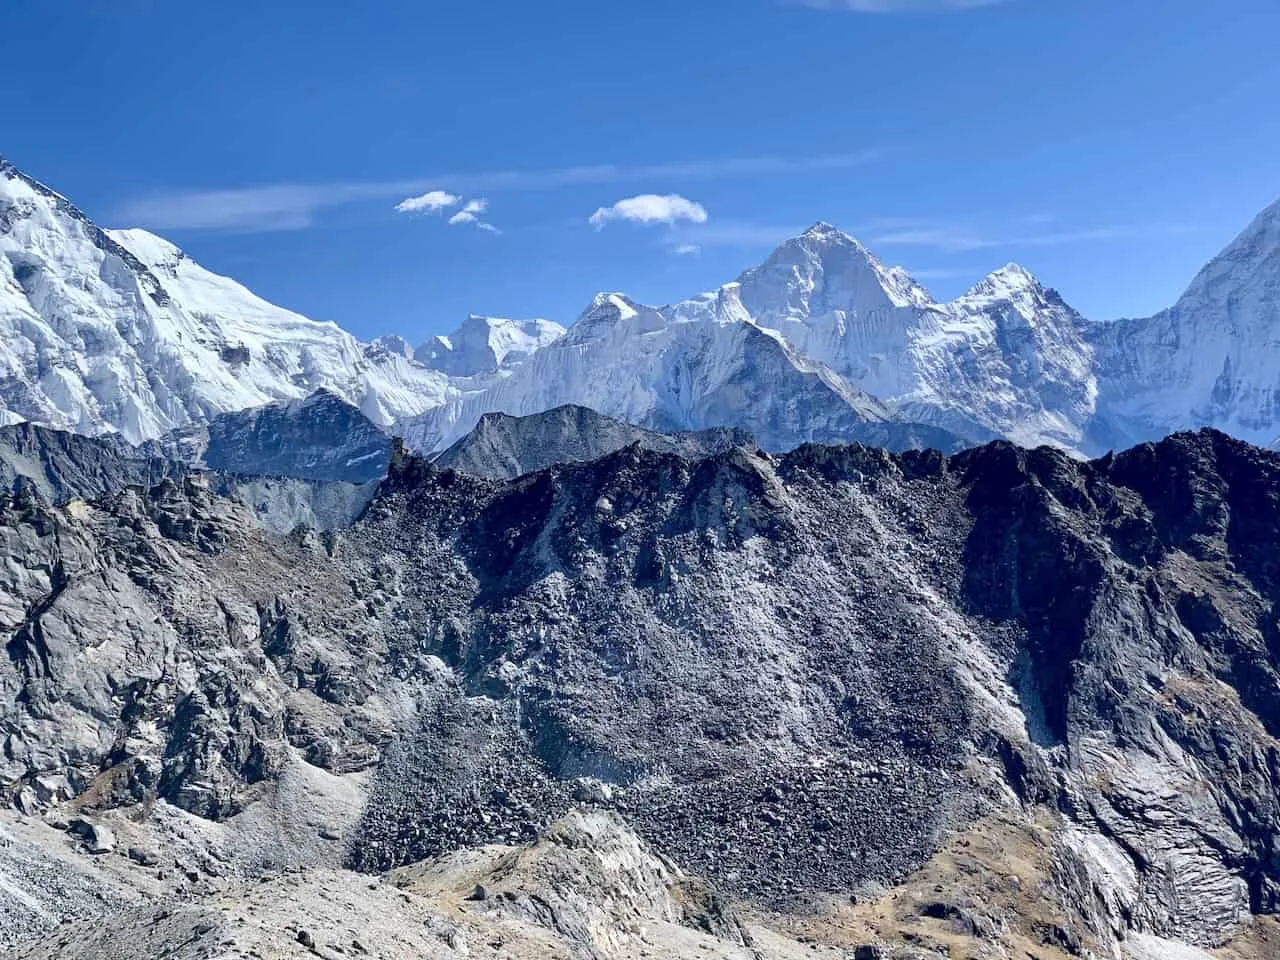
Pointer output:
1211, 358
120, 331
485, 344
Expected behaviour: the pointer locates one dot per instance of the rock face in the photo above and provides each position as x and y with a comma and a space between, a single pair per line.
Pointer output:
141, 635
320, 438
800, 678
588, 887
58, 467
61, 466
503, 447
890, 616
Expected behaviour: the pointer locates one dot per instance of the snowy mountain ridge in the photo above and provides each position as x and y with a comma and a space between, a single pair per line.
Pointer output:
486, 344
120, 331
1212, 358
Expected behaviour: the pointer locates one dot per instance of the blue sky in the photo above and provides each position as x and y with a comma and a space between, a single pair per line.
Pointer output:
1110, 147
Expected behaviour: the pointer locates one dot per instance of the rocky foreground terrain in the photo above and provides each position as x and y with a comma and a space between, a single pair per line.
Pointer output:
837, 703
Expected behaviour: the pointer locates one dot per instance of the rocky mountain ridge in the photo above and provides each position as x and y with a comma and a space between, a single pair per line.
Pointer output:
502, 447
836, 673
320, 437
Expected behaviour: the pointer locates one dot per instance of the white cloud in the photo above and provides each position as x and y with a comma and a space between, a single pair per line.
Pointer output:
899, 6
295, 206
686, 249
433, 201
470, 213
651, 208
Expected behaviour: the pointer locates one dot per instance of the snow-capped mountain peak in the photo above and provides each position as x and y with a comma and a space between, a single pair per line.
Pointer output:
119, 331
1006, 283
821, 271
1251, 260
486, 344
156, 252
616, 317
391, 344
1212, 359
1014, 286
609, 306
823, 231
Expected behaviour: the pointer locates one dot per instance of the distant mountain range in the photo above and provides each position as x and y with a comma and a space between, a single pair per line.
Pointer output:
120, 332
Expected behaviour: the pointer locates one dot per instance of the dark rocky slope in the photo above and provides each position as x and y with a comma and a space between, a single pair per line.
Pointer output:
797, 676
503, 447
321, 437
59, 467
63, 466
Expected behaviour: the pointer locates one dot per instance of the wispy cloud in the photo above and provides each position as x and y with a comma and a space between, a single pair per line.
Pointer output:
951, 238
251, 208
899, 6
651, 208
686, 249
947, 238
433, 201
470, 213
295, 206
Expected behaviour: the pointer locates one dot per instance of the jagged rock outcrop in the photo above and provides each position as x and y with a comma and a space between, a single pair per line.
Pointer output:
321, 437
1065, 621
503, 447
62, 466
59, 467
154, 652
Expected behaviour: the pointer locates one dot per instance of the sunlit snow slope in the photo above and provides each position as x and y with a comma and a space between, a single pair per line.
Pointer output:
119, 331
